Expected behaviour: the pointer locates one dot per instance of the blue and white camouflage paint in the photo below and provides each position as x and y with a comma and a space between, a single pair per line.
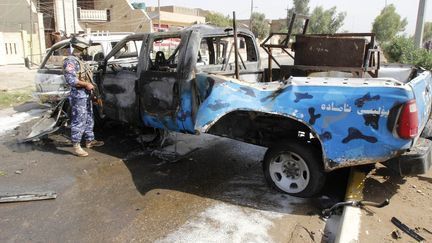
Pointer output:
349, 116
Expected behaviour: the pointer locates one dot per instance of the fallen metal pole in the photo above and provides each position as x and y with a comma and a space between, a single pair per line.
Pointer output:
25, 197
349, 225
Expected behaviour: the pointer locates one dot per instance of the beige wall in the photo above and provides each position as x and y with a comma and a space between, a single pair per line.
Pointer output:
176, 16
16, 43
15, 46
15, 15
124, 18
276, 24
176, 19
176, 9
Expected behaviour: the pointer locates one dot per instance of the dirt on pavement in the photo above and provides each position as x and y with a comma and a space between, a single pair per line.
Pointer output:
410, 202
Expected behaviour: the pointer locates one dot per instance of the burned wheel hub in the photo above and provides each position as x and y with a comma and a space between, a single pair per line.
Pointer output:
291, 169
289, 172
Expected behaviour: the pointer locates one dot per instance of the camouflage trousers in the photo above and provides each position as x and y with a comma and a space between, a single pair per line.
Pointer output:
82, 119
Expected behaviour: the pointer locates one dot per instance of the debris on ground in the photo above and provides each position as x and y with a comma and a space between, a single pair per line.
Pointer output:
300, 233
396, 234
18, 172
407, 229
2, 173
25, 197
165, 154
426, 230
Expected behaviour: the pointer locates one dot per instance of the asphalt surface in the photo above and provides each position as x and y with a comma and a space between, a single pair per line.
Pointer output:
214, 193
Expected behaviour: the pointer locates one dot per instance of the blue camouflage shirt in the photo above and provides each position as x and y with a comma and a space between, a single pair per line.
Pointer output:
71, 69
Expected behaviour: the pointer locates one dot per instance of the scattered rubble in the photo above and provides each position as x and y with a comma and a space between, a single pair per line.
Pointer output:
407, 229
396, 234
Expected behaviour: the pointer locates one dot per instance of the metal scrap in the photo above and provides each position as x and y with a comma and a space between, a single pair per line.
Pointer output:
25, 197
407, 229
396, 234
326, 213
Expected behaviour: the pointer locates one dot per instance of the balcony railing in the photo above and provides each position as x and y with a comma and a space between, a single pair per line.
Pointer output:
93, 15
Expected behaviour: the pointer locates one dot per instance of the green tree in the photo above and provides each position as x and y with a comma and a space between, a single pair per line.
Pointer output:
388, 24
402, 50
325, 21
218, 19
427, 33
299, 7
321, 20
260, 26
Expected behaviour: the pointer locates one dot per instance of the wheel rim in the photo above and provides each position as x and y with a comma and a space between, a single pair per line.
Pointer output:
289, 172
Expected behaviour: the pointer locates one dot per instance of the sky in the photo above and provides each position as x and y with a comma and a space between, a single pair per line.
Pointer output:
360, 13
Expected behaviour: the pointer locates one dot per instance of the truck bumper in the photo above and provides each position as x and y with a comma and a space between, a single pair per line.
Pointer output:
414, 162
50, 97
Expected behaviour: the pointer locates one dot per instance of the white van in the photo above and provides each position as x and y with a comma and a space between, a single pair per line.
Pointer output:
49, 80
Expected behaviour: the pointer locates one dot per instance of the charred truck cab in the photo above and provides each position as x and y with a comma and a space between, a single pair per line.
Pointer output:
161, 88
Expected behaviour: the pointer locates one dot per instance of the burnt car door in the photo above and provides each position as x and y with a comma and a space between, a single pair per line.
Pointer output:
165, 85
118, 80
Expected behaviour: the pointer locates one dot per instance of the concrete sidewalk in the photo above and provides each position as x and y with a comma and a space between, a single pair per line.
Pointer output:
14, 77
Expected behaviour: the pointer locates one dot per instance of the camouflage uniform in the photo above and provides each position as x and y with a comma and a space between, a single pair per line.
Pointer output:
82, 109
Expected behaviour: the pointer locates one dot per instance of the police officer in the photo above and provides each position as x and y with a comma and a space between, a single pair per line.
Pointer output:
78, 76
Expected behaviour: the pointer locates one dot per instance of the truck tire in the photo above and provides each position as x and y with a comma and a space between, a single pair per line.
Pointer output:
294, 168
427, 131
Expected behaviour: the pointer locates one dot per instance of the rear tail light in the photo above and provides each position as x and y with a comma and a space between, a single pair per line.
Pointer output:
408, 121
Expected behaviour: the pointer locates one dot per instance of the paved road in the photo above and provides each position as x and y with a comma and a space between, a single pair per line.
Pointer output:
119, 194
14, 77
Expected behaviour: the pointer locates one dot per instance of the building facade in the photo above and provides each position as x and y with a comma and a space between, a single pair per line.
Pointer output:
174, 17
21, 33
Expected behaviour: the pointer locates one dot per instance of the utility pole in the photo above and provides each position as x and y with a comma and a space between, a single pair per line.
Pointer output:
159, 24
250, 21
73, 14
418, 37
64, 17
31, 32
287, 9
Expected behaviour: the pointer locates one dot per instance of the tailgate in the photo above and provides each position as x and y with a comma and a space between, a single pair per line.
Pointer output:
422, 88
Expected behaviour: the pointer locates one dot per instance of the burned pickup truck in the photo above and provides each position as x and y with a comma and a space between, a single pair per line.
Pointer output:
334, 107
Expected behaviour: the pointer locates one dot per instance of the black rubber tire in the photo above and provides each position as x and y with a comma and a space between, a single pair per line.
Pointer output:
310, 156
427, 131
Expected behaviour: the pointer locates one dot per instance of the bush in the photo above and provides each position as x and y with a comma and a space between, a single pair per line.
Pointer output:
403, 50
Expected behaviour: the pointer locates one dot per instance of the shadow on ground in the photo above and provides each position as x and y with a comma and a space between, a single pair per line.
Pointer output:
220, 169
382, 183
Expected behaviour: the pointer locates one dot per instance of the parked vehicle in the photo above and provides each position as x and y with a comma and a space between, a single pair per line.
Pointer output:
50, 84
335, 107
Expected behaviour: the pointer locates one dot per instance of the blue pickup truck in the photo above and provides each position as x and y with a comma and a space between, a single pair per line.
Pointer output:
335, 106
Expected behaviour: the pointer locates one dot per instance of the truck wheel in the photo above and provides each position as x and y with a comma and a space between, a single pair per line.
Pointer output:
294, 168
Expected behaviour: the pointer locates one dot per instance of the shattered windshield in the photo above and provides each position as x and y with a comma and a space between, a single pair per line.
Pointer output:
54, 60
